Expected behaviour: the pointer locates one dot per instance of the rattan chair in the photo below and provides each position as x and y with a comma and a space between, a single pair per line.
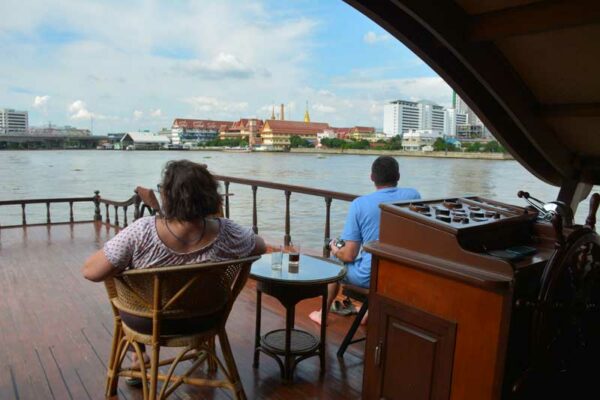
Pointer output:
179, 306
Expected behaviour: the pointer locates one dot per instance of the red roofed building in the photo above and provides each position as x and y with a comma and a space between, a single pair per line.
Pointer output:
244, 129
277, 133
196, 130
341, 133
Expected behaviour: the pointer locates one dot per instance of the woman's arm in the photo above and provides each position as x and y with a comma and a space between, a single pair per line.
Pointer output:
259, 246
97, 268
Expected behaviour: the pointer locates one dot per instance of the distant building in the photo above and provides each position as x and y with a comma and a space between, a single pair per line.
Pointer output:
245, 129
452, 120
362, 133
13, 122
471, 118
400, 116
416, 139
277, 133
196, 130
143, 141
53, 130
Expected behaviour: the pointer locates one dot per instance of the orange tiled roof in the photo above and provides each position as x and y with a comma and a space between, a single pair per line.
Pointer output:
368, 129
279, 127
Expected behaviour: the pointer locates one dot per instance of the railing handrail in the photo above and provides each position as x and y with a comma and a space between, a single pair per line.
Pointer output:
115, 203
292, 188
44, 201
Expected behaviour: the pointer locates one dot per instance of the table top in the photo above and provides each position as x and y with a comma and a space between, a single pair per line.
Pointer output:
310, 270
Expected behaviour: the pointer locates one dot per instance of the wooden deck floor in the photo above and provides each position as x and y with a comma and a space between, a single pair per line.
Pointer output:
56, 327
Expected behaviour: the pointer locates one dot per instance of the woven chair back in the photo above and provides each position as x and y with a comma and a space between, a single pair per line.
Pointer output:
183, 291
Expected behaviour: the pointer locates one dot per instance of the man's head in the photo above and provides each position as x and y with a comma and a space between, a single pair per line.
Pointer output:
385, 171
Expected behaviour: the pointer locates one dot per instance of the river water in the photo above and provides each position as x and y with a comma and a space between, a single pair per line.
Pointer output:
43, 174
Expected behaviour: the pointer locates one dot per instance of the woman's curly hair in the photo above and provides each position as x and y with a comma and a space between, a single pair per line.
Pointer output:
189, 191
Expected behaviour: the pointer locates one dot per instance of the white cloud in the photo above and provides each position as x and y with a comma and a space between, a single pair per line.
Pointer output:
204, 104
223, 66
372, 38
323, 108
156, 113
41, 101
413, 89
137, 114
79, 110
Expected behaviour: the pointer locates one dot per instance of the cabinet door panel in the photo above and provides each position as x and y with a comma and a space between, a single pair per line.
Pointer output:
415, 353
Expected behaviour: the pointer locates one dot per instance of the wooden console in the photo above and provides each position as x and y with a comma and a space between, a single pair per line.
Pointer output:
441, 307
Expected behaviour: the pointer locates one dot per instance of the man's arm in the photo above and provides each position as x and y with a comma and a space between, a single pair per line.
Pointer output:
348, 253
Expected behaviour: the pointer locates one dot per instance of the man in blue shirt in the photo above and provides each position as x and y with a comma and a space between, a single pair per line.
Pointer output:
362, 225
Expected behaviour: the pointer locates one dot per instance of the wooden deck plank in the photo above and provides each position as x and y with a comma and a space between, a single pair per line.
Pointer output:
56, 328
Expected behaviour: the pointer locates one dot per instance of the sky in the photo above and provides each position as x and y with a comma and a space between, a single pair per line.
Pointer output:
137, 65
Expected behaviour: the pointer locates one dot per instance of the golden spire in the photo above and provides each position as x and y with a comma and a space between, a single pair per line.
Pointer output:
273, 113
306, 115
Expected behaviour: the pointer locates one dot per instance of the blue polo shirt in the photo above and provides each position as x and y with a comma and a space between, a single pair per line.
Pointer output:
362, 225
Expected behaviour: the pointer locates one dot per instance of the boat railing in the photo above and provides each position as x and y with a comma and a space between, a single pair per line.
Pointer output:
70, 200
327, 195
134, 203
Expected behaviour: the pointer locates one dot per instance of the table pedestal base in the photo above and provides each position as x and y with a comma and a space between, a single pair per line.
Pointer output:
291, 344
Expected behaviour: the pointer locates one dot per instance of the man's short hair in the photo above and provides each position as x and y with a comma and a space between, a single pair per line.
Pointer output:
385, 171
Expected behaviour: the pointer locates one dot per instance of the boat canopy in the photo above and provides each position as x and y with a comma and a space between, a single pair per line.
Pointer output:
528, 68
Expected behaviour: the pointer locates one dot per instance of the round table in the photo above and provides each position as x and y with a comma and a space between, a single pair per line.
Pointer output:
289, 286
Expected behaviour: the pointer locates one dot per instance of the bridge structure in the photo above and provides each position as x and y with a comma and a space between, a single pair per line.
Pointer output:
19, 142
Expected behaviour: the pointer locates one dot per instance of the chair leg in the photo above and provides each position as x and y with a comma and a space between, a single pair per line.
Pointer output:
154, 360
234, 376
353, 329
212, 364
112, 379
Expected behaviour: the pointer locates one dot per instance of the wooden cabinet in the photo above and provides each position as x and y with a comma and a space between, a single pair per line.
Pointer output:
410, 353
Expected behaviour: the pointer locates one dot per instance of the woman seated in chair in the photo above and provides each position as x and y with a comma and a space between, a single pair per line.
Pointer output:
187, 233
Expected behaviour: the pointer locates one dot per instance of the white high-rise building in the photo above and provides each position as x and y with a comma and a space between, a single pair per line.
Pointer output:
452, 120
401, 115
13, 122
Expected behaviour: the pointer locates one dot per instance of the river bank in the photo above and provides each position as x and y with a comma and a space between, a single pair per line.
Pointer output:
402, 153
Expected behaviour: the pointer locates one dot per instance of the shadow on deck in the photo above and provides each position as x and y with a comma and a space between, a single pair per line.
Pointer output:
56, 328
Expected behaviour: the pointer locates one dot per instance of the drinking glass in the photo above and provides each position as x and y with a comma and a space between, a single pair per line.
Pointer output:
294, 255
276, 257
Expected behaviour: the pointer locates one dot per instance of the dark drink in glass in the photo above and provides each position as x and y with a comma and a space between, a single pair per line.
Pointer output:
294, 256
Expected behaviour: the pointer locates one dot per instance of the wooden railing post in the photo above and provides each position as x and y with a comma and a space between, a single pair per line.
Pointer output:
226, 199
71, 219
254, 210
116, 215
136, 204
48, 221
328, 200
287, 238
97, 214
23, 216
125, 216
107, 220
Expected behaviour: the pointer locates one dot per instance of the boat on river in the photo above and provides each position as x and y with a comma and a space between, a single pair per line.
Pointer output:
470, 298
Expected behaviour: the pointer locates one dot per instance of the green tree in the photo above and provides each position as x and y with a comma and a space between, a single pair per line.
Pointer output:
474, 147
440, 145
297, 141
493, 147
